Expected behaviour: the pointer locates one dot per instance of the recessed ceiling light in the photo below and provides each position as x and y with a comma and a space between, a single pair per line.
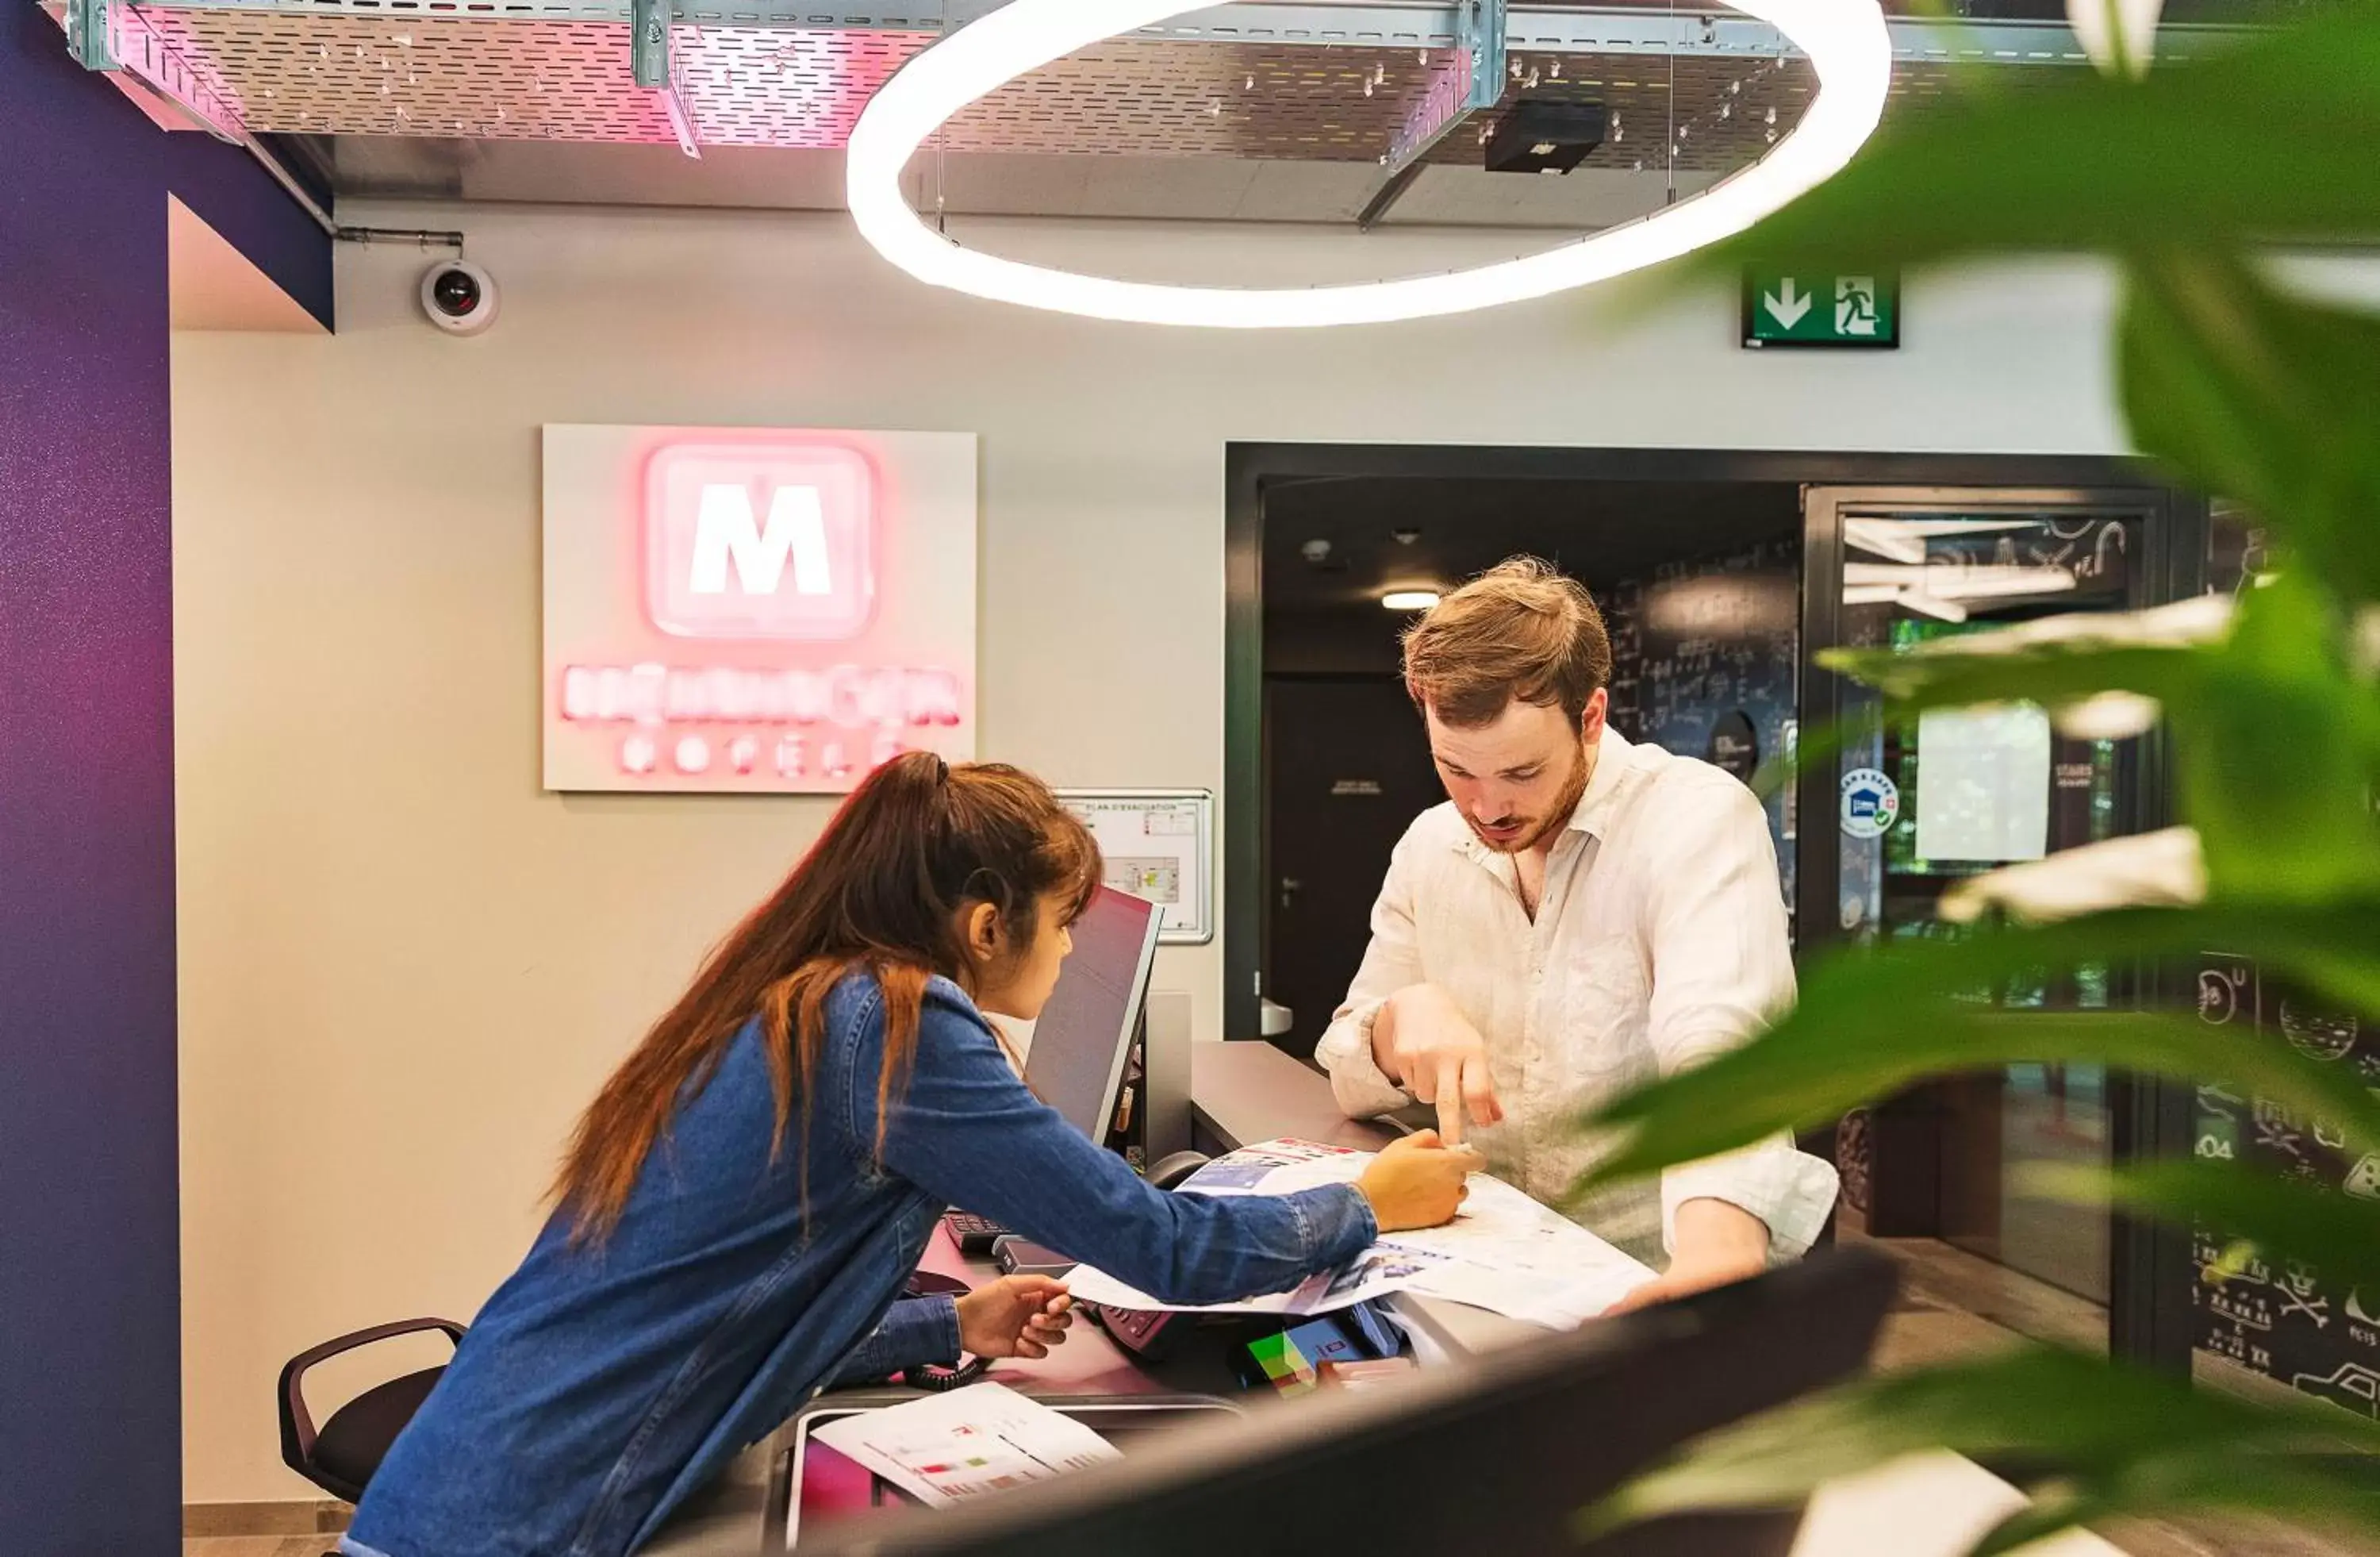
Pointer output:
1845, 40
1409, 600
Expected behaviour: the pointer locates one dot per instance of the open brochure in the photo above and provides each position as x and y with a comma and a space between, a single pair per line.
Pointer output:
1503, 1251
986, 1438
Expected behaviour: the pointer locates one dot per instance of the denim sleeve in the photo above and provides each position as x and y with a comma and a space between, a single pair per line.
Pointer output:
967, 1132
915, 1330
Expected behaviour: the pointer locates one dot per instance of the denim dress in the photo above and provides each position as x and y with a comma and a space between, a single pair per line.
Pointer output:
603, 1383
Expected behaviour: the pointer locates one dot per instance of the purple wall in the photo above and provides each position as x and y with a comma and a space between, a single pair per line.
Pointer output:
89, 1221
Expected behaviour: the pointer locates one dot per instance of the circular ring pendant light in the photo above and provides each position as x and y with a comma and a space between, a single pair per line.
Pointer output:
1845, 40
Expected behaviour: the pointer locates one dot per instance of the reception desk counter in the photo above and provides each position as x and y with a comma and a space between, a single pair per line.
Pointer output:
1930, 1505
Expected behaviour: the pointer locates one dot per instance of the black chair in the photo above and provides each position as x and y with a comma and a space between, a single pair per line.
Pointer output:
341, 1457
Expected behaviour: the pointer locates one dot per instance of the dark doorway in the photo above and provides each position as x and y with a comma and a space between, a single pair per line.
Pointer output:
1699, 582
1349, 774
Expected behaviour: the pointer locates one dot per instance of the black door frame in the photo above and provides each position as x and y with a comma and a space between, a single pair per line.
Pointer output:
1819, 869
2149, 1314
2149, 1318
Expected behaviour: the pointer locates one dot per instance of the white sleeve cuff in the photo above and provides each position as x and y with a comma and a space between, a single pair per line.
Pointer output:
1356, 1080
1790, 1192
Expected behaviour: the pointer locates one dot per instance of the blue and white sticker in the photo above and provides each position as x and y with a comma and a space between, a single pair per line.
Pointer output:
1871, 801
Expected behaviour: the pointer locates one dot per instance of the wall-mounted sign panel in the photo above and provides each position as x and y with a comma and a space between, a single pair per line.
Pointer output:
1820, 309
1157, 844
1983, 783
755, 610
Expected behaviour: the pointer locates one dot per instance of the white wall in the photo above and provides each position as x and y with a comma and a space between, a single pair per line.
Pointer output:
404, 967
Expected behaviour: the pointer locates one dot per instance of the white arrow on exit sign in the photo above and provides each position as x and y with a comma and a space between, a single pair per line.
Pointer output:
1788, 303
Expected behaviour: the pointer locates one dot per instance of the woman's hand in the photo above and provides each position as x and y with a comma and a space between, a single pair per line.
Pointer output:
1015, 1316
1418, 1182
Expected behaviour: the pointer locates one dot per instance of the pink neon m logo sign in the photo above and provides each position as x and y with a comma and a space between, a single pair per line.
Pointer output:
745, 541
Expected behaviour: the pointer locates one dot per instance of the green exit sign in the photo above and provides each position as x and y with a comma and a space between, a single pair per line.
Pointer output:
1806, 307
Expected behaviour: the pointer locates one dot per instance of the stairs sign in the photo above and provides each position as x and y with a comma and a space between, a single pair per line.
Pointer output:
1814, 308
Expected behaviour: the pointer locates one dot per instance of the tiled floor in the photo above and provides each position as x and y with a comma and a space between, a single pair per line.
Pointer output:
1990, 1303
2228, 1538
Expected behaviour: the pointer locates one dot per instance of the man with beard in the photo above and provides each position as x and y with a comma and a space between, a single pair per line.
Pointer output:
1583, 915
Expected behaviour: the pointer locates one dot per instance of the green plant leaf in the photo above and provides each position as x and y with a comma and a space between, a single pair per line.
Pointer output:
1796, 1078
2277, 747
2246, 392
1870, 1021
2053, 676
2055, 1508
2218, 1478
2119, 1437
2276, 697
2195, 154
2285, 1219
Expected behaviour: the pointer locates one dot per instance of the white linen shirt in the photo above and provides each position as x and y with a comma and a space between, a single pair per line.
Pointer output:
1659, 940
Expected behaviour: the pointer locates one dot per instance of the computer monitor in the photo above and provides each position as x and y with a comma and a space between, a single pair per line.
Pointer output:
1496, 1454
1084, 1035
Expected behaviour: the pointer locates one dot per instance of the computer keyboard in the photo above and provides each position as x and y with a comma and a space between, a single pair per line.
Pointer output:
972, 1233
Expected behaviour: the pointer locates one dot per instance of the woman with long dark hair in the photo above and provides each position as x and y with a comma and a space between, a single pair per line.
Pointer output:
742, 1204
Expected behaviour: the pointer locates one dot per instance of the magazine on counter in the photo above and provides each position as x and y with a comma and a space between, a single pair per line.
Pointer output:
1503, 1251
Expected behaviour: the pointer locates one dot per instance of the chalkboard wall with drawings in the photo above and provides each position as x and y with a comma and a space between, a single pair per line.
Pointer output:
1703, 655
2308, 1328
2313, 1329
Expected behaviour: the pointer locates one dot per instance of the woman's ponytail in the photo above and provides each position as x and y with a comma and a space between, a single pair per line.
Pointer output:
882, 889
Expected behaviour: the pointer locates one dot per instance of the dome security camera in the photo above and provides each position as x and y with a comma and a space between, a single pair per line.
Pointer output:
458, 296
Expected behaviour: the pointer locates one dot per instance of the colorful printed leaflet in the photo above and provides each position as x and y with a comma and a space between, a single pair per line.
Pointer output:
943, 1449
